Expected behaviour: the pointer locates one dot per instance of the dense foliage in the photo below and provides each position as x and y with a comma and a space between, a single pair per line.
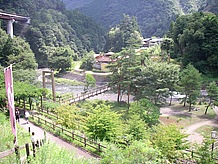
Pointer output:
190, 85
151, 21
53, 26
142, 77
125, 35
154, 17
17, 52
195, 39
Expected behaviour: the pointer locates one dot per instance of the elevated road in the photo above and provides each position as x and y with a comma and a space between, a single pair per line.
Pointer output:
11, 18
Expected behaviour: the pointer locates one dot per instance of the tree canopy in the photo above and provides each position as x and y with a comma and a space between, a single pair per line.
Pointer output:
17, 52
124, 35
195, 39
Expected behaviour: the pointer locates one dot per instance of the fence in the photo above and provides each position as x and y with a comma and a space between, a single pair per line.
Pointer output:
30, 149
71, 134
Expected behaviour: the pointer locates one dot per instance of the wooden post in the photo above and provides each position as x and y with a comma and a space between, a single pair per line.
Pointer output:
17, 152
34, 149
37, 143
43, 79
73, 135
99, 147
85, 141
29, 130
40, 143
41, 101
53, 86
212, 148
27, 151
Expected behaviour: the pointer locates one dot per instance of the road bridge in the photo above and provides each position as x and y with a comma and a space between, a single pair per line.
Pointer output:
11, 18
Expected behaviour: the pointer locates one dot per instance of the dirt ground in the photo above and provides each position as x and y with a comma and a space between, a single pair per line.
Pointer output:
167, 117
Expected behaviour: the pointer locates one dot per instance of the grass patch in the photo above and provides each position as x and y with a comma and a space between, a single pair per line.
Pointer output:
182, 117
51, 153
205, 130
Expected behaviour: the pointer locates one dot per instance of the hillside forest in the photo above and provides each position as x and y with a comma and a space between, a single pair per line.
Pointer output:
153, 16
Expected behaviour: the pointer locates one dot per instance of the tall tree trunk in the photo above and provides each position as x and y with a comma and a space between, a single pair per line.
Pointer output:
185, 100
171, 97
207, 107
128, 95
190, 107
118, 94
30, 103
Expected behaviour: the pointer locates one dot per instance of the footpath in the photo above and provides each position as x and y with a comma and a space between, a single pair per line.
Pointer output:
39, 133
193, 136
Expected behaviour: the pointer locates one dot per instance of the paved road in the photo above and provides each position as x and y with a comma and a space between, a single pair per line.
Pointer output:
39, 133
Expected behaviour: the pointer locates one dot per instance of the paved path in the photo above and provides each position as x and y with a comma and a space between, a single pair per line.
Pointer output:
39, 133
193, 137
196, 137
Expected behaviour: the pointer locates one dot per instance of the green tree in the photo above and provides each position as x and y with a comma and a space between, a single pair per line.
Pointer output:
212, 91
155, 80
61, 59
138, 152
70, 117
88, 61
195, 41
124, 35
136, 127
123, 72
205, 153
17, 52
90, 81
102, 123
190, 84
167, 46
147, 111
170, 141
27, 93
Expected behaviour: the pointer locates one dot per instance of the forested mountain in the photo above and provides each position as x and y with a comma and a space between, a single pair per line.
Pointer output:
153, 16
212, 6
52, 26
73, 4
